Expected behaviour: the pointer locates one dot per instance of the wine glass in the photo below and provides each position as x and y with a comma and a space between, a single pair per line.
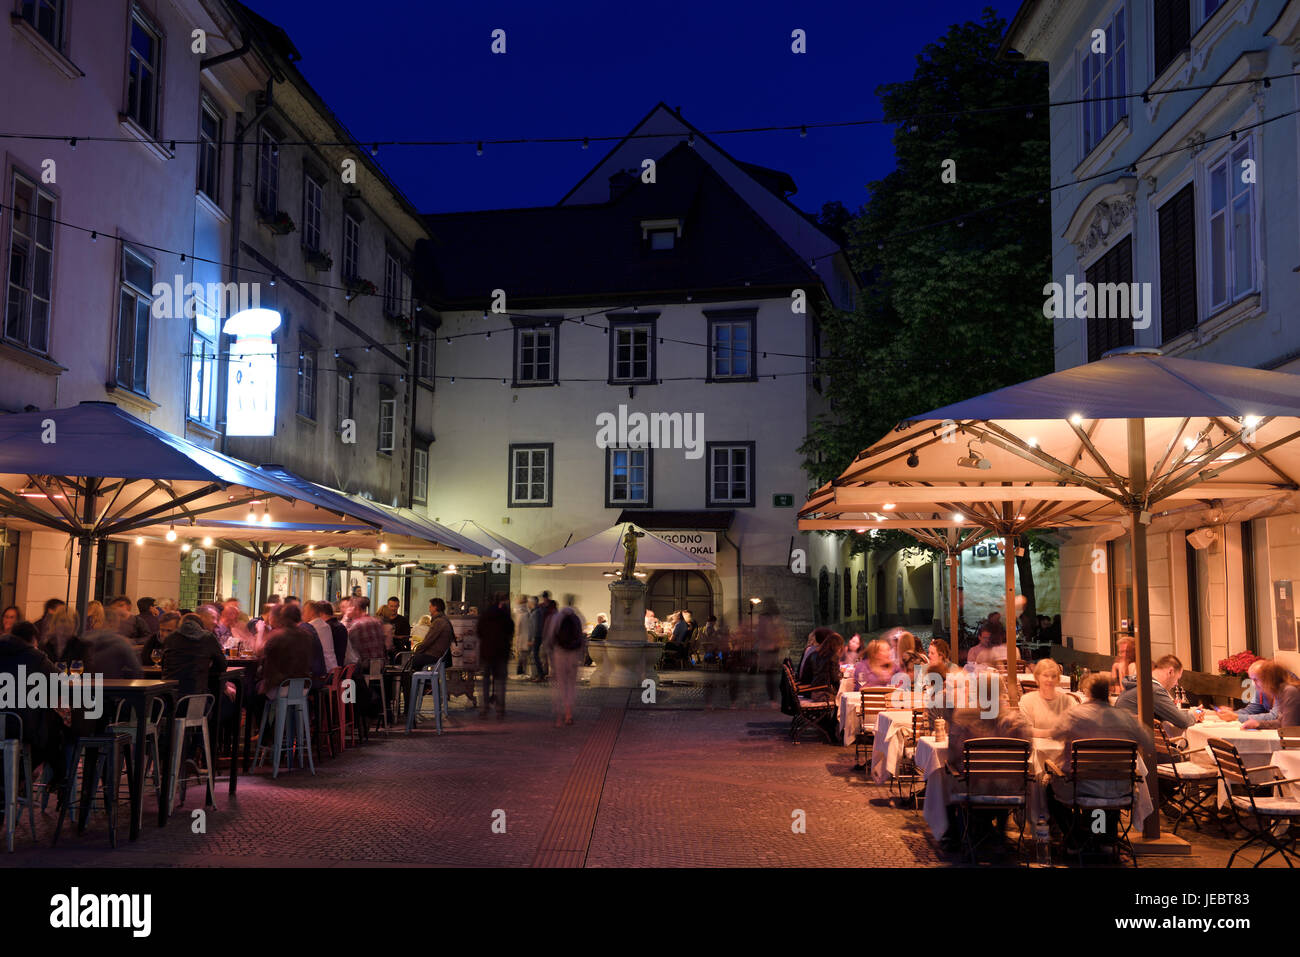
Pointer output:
63, 667
77, 667
156, 655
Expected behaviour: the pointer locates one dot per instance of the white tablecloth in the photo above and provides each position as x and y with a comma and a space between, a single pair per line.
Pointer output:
931, 758
850, 706
1289, 762
887, 748
1253, 744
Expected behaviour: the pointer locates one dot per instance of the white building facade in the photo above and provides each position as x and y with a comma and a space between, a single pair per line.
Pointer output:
1191, 194
692, 297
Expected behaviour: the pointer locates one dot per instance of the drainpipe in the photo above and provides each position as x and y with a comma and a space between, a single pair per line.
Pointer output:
209, 62
740, 590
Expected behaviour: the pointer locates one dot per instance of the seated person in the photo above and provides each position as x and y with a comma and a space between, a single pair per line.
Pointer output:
601, 631
940, 655
167, 624
43, 730
61, 642
907, 652
1260, 708
191, 655
981, 655
678, 646
878, 668
1284, 691
815, 638
824, 668
112, 655
1045, 707
1095, 718
1123, 672
1165, 675
852, 653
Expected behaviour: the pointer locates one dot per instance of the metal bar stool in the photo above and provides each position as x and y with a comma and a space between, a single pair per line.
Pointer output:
18, 759
192, 713
124, 724
435, 678
108, 767
292, 696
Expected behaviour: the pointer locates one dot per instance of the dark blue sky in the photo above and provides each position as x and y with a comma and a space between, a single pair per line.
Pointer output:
424, 70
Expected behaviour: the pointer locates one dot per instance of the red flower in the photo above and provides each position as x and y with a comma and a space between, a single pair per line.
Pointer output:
1237, 664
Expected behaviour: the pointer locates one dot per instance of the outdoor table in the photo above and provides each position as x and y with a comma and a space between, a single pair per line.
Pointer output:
140, 692
887, 747
931, 759
1255, 745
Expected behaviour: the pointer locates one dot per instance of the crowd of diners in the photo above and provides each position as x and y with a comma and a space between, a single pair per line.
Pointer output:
1106, 705
196, 647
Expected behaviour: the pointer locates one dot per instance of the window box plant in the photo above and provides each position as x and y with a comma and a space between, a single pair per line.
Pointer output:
1237, 665
319, 260
360, 287
279, 222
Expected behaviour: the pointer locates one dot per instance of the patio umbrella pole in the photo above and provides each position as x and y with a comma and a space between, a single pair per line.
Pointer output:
1137, 470
87, 542
1009, 616
954, 612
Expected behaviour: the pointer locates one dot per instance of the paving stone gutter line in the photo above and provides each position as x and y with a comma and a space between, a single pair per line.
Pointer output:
567, 836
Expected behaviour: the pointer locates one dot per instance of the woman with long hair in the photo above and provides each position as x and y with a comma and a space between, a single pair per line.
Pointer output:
852, 653
939, 655
1125, 665
824, 668
12, 615
95, 616
61, 641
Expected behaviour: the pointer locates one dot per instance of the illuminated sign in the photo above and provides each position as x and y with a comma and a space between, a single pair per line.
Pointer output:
250, 390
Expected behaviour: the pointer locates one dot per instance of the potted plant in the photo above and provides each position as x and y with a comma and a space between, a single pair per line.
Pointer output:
320, 260
360, 287
1237, 665
403, 323
278, 222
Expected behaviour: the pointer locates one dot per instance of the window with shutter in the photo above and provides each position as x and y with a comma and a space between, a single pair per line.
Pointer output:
1110, 332
1172, 31
1178, 265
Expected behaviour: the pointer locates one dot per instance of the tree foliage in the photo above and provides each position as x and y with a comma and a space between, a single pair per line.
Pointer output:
956, 310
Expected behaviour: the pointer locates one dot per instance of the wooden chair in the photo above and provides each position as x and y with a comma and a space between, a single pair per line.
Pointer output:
1185, 785
1255, 812
1290, 738
805, 711
871, 703
1103, 777
994, 775
908, 776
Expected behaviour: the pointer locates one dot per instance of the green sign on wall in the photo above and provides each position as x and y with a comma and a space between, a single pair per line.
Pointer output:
783, 501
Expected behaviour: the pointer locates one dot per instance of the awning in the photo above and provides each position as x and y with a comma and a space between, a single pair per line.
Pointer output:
605, 550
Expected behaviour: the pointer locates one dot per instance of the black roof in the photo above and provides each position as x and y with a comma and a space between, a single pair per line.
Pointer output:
553, 254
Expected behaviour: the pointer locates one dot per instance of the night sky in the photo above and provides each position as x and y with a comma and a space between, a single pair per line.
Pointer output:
424, 70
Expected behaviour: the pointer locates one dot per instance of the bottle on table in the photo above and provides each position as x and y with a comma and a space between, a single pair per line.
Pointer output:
1043, 841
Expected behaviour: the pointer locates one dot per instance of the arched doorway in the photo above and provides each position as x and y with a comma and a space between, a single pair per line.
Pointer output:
672, 591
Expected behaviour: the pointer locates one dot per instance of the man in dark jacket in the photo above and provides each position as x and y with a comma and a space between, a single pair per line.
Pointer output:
191, 657
537, 612
337, 629
43, 730
145, 625
496, 632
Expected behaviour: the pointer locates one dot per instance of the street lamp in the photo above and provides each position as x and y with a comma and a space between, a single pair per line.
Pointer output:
753, 603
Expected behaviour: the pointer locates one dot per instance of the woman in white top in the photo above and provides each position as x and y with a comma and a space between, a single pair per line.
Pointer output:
1046, 706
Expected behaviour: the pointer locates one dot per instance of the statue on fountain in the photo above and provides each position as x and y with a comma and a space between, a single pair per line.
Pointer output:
629, 553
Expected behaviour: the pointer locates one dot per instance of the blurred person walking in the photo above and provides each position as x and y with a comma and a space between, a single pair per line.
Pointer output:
566, 646
496, 631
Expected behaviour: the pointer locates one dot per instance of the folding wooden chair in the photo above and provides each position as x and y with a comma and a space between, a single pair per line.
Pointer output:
994, 775
1185, 785
805, 711
1256, 813
1103, 777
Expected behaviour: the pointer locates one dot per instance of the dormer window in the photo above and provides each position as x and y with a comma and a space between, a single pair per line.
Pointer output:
661, 234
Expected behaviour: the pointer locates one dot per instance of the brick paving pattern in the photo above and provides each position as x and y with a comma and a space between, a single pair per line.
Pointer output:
692, 779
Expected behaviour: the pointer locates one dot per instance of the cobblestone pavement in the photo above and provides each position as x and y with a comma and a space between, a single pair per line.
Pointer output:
683, 785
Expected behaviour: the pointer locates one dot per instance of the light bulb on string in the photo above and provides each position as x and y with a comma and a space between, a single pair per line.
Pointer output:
207, 541
185, 547
171, 533
479, 150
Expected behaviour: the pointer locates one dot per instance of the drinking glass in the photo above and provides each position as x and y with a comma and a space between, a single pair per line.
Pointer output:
63, 667
157, 656
77, 667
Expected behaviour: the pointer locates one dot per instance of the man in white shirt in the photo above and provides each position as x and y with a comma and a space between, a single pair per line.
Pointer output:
311, 616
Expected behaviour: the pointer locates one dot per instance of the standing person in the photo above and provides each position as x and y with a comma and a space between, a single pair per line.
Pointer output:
51, 606
769, 639
496, 631
566, 647
366, 636
537, 616
523, 634
401, 624
312, 618
337, 629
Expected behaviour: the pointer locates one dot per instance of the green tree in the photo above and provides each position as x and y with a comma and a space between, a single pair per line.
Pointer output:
951, 311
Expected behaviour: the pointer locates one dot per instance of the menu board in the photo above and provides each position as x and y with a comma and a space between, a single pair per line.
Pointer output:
464, 648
